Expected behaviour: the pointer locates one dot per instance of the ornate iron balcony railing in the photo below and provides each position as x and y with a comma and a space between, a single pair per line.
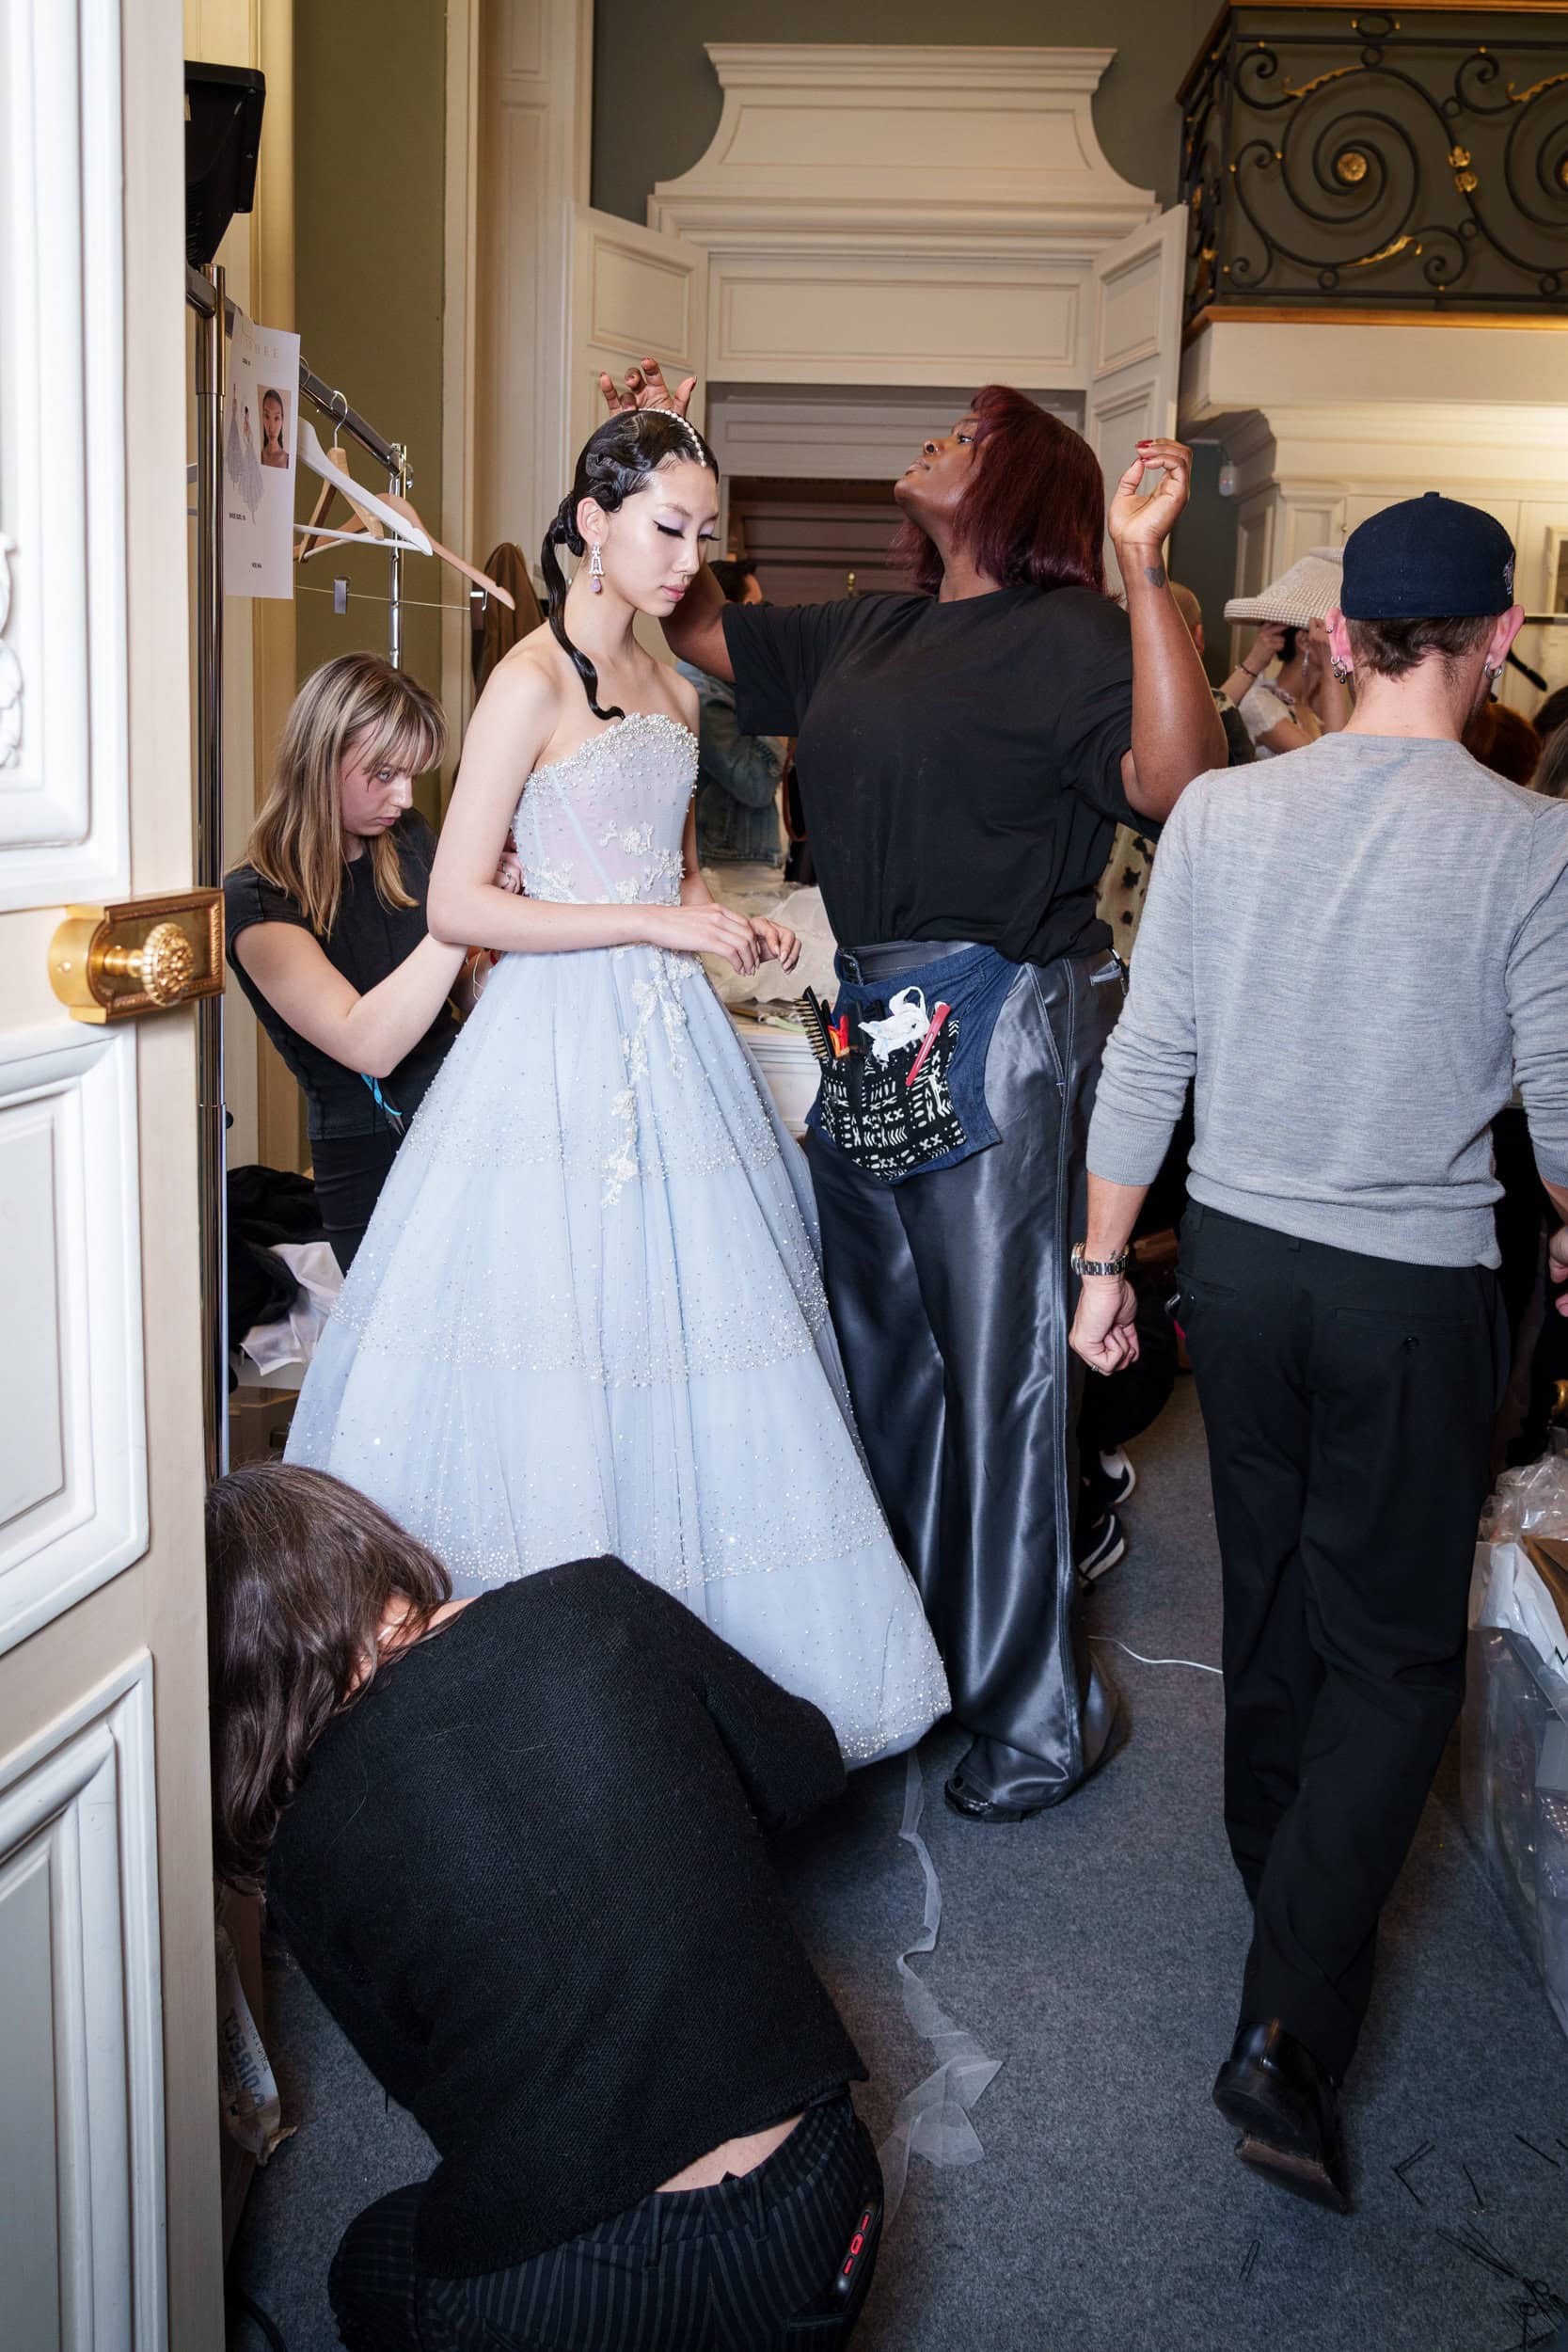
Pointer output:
1348, 157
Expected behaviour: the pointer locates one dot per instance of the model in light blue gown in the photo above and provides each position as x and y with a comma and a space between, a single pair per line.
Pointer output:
587, 1316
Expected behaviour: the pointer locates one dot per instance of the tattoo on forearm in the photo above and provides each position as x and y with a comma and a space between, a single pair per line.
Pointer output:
1155, 574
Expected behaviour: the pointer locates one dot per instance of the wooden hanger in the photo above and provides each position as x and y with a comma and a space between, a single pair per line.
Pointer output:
378, 520
404, 508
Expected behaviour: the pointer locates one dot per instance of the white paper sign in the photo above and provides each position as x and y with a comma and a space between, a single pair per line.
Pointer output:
261, 415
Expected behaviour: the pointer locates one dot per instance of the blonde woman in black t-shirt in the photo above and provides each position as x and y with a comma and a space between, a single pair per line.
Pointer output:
965, 753
327, 925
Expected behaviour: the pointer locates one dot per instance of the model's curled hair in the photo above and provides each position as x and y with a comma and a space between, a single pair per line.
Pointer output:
1034, 513
615, 464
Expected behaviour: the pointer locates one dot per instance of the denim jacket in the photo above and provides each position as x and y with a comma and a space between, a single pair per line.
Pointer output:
737, 782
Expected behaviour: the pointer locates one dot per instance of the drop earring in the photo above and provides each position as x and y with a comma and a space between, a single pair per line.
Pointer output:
1342, 671
596, 571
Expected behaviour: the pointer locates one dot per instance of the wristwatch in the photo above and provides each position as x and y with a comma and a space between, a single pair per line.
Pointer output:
1082, 1265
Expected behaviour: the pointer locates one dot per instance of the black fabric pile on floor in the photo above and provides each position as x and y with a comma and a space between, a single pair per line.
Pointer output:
1097, 1950
266, 1206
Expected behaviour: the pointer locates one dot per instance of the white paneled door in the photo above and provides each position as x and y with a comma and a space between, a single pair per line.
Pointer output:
109, 2230
1134, 347
635, 293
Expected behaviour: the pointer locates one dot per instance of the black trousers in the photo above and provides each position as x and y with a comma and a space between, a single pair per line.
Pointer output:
748, 2266
1348, 1402
349, 1173
949, 1295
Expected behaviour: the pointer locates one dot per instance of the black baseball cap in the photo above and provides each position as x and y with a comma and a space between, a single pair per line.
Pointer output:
1427, 559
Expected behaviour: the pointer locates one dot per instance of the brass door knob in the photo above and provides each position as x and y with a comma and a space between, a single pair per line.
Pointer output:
163, 967
110, 963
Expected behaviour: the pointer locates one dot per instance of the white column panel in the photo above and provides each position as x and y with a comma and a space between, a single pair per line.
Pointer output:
533, 102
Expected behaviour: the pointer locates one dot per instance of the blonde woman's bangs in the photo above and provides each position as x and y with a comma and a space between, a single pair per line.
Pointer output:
407, 736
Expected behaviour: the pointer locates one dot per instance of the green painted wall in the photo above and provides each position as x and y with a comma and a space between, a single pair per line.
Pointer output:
369, 193
657, 100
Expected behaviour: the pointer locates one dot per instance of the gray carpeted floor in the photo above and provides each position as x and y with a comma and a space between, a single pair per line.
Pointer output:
1097, 1950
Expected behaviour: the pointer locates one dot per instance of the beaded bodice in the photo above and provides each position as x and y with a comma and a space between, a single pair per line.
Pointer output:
603, 826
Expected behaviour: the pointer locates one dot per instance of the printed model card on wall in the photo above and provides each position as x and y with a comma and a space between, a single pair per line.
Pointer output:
259, 415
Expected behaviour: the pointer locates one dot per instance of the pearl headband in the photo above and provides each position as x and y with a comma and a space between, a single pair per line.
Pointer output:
687, 427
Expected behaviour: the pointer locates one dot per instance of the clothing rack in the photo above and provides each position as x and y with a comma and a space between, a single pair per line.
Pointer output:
205, 295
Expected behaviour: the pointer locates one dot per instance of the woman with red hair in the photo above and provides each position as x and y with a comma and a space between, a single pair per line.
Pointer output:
964, 755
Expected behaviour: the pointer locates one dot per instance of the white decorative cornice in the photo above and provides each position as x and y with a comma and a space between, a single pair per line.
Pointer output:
841, 146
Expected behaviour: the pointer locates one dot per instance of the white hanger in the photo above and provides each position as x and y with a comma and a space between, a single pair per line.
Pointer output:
378, 518
319, 539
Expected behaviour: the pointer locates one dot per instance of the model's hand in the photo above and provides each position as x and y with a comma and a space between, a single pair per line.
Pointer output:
703, 930
1104, 1330
1141, 526
646, 389
1557, 1267
776, 943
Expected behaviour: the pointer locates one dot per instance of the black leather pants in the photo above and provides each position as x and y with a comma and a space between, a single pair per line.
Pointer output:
950, 1296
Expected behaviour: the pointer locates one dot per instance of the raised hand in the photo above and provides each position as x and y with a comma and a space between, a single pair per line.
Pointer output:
1141, 525
646, 389
704, 931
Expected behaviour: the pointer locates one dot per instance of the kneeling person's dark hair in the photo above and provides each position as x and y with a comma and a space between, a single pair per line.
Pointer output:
1394, 649
300, 1571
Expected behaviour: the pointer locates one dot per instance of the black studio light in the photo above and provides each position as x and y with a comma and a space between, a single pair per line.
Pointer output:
223, 137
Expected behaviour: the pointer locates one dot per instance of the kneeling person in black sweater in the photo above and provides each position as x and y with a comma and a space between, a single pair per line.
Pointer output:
517, 1845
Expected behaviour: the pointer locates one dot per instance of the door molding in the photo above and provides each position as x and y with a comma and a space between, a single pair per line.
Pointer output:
63, 823
79, 1944
73, 1502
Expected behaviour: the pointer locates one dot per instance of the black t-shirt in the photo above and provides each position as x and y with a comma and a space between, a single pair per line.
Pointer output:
960, 764
368, 939
528, 1874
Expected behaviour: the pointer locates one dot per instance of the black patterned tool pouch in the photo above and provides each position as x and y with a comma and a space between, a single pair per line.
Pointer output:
903, 1064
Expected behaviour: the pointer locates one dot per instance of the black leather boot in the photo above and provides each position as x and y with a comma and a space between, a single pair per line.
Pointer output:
1285, 2105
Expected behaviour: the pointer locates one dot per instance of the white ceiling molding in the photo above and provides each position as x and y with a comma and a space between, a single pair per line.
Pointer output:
901, 214
968, 149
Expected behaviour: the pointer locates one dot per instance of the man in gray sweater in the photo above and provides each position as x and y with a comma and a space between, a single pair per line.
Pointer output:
1352, 952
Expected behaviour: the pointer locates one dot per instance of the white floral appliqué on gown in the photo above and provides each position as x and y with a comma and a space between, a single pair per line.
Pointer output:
588, 1317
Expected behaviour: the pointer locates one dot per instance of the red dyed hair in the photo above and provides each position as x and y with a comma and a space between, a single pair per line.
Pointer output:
1034, 514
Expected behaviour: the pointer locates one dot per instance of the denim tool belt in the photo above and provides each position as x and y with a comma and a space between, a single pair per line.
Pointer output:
903, 1055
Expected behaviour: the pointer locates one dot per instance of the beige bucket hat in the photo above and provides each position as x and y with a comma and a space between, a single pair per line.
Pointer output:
1308, 592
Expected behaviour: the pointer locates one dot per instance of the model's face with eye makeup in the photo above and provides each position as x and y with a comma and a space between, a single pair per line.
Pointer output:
656, 543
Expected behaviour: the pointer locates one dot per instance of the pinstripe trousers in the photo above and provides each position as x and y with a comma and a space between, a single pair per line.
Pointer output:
748, 2266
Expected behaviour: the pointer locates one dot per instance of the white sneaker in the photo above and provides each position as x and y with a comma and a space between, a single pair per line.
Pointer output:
1120, 1475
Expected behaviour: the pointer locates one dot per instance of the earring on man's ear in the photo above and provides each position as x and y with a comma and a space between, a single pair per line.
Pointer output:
1492, 669
1342, 671
596, 571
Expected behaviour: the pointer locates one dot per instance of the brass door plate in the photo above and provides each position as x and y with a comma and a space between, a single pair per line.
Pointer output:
146, 954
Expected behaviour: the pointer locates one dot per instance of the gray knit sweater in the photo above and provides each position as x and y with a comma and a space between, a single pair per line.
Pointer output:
1353, 949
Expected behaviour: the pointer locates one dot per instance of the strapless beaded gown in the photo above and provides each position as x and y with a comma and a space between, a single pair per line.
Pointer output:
587, 1316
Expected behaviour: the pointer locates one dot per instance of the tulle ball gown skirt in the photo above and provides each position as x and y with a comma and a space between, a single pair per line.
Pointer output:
587, 1317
